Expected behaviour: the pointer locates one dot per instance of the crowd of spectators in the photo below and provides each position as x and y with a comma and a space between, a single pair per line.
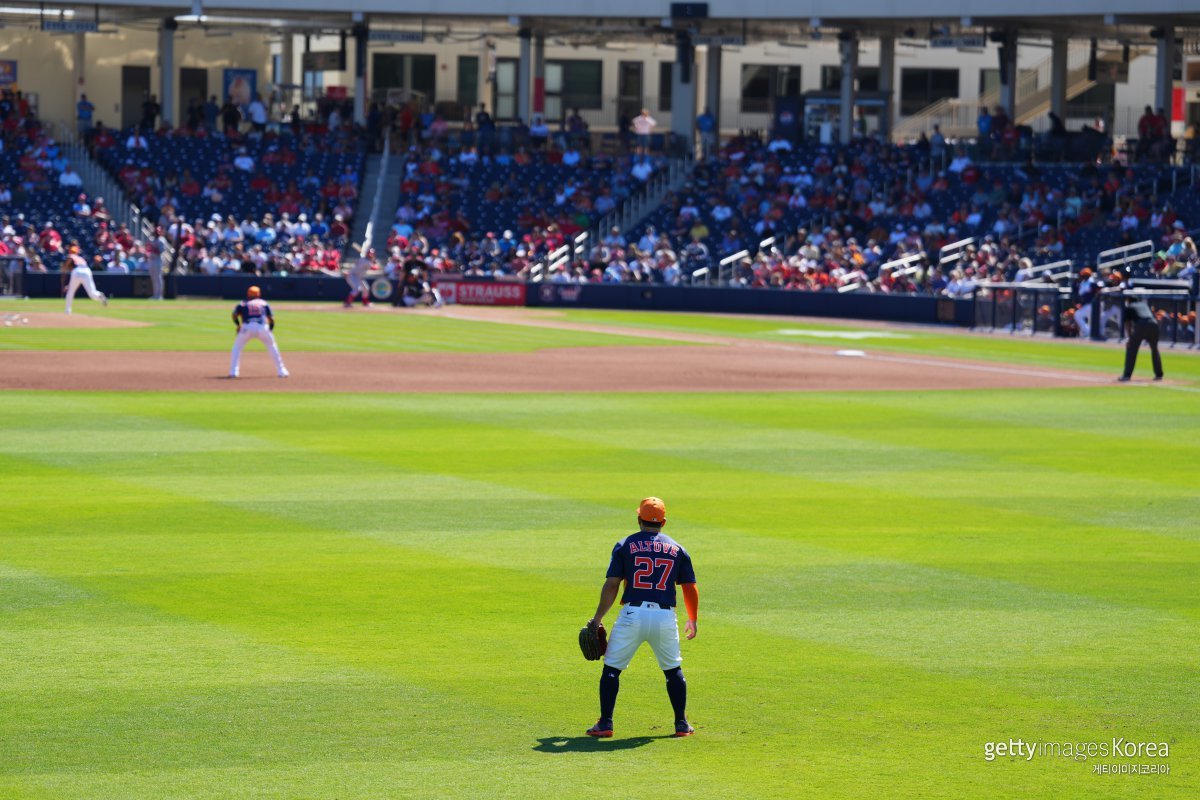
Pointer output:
755, 213
225, 192
834, 217
498, 213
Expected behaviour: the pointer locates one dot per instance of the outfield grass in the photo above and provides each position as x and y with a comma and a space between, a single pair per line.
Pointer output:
377, 596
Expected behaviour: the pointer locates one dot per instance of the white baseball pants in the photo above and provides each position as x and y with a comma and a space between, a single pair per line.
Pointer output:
256, 330
645, 623
82, 276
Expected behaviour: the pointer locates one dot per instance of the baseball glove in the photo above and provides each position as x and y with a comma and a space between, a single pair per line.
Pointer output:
593, 640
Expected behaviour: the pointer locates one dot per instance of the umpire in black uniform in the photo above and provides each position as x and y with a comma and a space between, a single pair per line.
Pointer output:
1140, 326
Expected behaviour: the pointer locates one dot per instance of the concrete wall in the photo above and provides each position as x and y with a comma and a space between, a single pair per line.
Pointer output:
727, 9
46, 64
810, 59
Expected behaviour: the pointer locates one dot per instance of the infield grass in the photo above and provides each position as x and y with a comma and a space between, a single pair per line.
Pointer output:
206, 326
377, 596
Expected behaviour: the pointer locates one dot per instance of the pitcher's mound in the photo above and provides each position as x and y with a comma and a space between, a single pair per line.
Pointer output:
50, 319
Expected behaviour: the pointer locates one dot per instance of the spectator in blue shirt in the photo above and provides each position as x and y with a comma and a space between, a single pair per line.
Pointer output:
706, 123
84, 110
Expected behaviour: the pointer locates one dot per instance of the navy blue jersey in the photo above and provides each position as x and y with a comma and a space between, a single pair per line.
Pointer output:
255, 310
651, 564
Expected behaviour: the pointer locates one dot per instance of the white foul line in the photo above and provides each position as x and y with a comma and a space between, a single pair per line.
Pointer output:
1029, 373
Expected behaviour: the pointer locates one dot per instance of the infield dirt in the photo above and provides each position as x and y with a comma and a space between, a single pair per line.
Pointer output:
741, 367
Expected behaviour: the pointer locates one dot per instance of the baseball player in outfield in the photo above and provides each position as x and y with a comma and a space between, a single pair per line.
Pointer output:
254, 320
81, 275
651, 564
356, 276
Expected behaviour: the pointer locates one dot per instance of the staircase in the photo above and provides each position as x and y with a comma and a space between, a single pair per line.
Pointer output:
642, 204
381, 195
99, 184
957, 117
626, 217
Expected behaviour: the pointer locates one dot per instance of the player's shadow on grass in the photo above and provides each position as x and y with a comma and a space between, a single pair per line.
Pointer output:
590, 744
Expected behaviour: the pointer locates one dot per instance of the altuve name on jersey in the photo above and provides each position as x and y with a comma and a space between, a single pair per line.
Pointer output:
653, 547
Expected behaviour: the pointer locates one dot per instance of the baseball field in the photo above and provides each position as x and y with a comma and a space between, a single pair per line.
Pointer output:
914, 548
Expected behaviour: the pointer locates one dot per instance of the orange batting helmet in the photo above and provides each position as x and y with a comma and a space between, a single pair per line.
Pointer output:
652, 510
253, 292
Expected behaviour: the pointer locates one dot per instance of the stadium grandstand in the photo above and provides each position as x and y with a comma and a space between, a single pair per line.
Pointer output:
700, 144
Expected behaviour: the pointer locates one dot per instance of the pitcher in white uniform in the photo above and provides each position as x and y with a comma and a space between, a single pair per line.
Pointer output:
356, 276
254, 320
81, 275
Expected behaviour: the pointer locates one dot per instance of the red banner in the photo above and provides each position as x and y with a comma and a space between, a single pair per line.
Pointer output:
472, 293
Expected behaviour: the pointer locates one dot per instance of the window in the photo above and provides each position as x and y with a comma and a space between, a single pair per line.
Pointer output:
572, 84
629, 89
762, 83
665, 71
416, 73
919, 87
831, 78
468, 82
989, 81
504, 99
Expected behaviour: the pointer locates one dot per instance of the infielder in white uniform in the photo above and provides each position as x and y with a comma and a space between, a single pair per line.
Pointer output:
356, 276
81, 275
254, 320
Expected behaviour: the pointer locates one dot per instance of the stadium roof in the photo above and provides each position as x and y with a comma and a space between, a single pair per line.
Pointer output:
616, 20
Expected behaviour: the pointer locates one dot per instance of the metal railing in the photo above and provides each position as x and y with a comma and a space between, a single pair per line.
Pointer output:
955, 251
957, 116
1130, 254
94, 175
380, 182
1054, 270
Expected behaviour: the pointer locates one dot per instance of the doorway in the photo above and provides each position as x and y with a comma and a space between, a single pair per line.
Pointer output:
629, 89
135, 88
193, 83
504, 89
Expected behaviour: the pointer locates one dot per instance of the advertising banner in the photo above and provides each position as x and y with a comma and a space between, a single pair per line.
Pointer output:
8, 73
473, 293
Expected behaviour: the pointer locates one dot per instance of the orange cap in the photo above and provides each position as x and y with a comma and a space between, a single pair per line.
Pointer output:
254, 291
652, 510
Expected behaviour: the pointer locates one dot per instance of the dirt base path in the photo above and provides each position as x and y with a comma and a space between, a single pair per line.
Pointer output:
741, 367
